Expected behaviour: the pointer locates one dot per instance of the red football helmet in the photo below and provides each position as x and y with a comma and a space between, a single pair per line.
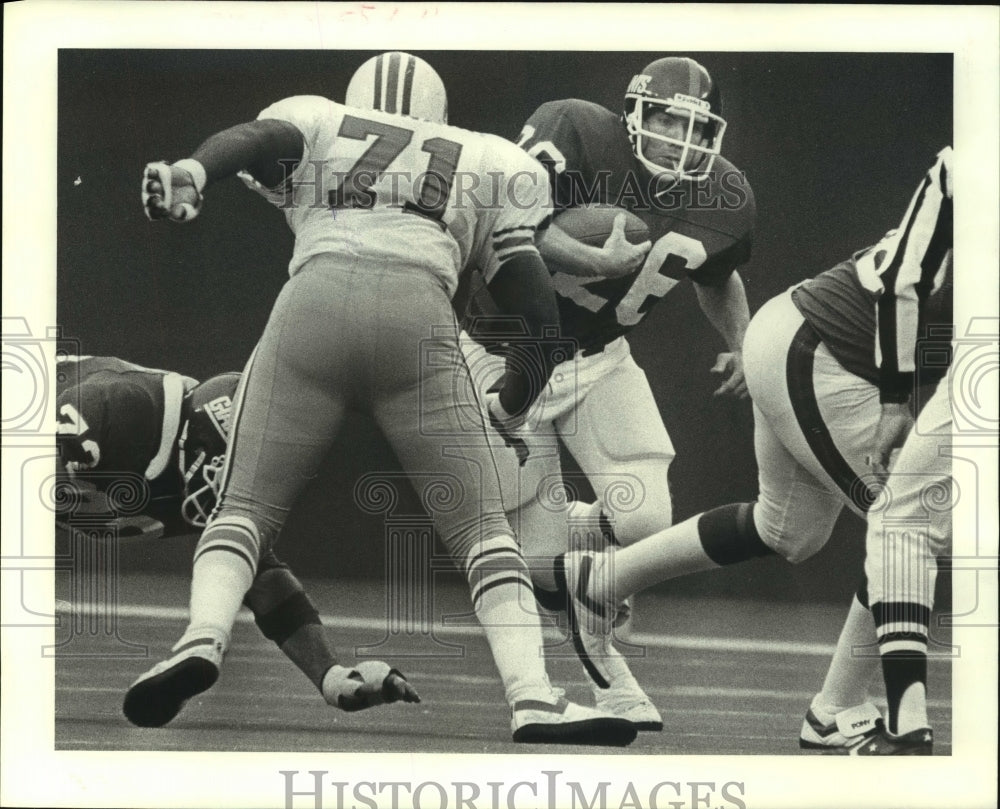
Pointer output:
684, 89
207, 412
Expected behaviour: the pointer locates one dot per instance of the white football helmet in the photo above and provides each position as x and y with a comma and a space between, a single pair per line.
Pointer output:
683, 88
399, 83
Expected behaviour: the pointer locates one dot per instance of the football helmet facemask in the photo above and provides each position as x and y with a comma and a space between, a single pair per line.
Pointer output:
682, 88
399, 83
201, 454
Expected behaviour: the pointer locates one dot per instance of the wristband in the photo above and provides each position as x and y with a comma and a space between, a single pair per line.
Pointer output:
196, 170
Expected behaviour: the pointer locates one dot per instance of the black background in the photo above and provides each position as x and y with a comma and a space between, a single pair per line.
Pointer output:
833, 145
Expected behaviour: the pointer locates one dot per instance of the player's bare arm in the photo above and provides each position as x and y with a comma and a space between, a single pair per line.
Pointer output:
617, 257
727, 310
268, 149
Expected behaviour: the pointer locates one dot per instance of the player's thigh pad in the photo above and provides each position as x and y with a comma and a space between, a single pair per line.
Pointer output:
824, 416
617, 436
795, 512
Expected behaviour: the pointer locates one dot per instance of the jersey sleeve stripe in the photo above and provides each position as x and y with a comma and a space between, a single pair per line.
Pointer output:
508, 244
505, 231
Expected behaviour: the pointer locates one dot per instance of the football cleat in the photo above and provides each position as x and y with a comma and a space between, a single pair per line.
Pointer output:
846, 729
630, 704
590, 623
159, 694
562, 722
915, 743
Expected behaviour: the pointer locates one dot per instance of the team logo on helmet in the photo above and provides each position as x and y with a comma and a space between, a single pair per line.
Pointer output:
203, 442
683, 89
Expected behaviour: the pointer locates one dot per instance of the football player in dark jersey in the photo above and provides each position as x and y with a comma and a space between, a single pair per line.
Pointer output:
831, 367
660, 159
128, 431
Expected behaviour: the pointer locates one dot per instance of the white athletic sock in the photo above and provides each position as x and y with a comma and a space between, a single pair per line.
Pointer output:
853, 667
673, 552
505, 606
224, 568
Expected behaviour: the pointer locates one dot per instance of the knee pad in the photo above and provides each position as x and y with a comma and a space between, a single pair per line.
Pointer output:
287, 618
728, 534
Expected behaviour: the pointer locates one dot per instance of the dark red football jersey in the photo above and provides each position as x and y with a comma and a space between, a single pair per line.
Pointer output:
700, 230
116, 417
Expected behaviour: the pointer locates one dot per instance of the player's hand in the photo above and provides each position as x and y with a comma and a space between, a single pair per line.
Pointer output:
729, 365
894, 424
507, 427
169, 192
366, 685
619, 256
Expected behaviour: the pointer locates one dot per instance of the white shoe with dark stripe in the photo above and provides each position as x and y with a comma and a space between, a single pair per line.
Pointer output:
848, 728
536, 721
159, 694
590, 623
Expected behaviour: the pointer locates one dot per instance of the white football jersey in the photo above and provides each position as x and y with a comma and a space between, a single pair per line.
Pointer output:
386, 188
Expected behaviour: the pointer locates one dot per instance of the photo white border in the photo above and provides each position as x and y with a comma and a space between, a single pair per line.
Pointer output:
33, 32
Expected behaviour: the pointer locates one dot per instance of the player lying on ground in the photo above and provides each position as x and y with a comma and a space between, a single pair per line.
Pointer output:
659, 159
153, 431
829, 366
368, 301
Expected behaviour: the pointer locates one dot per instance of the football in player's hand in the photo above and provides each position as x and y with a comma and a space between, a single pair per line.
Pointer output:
592, 224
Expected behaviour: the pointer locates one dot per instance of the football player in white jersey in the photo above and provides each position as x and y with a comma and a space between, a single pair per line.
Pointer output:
830, 366
382, 231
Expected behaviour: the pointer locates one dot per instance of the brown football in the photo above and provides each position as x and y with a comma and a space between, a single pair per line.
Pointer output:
592, 224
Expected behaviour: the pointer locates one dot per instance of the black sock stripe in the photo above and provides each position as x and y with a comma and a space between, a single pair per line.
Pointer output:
894, 612
230, 549
481, 590
799, 376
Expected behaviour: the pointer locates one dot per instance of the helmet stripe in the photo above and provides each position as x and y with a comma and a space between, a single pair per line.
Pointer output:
392, 84
377, 104
411, 66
